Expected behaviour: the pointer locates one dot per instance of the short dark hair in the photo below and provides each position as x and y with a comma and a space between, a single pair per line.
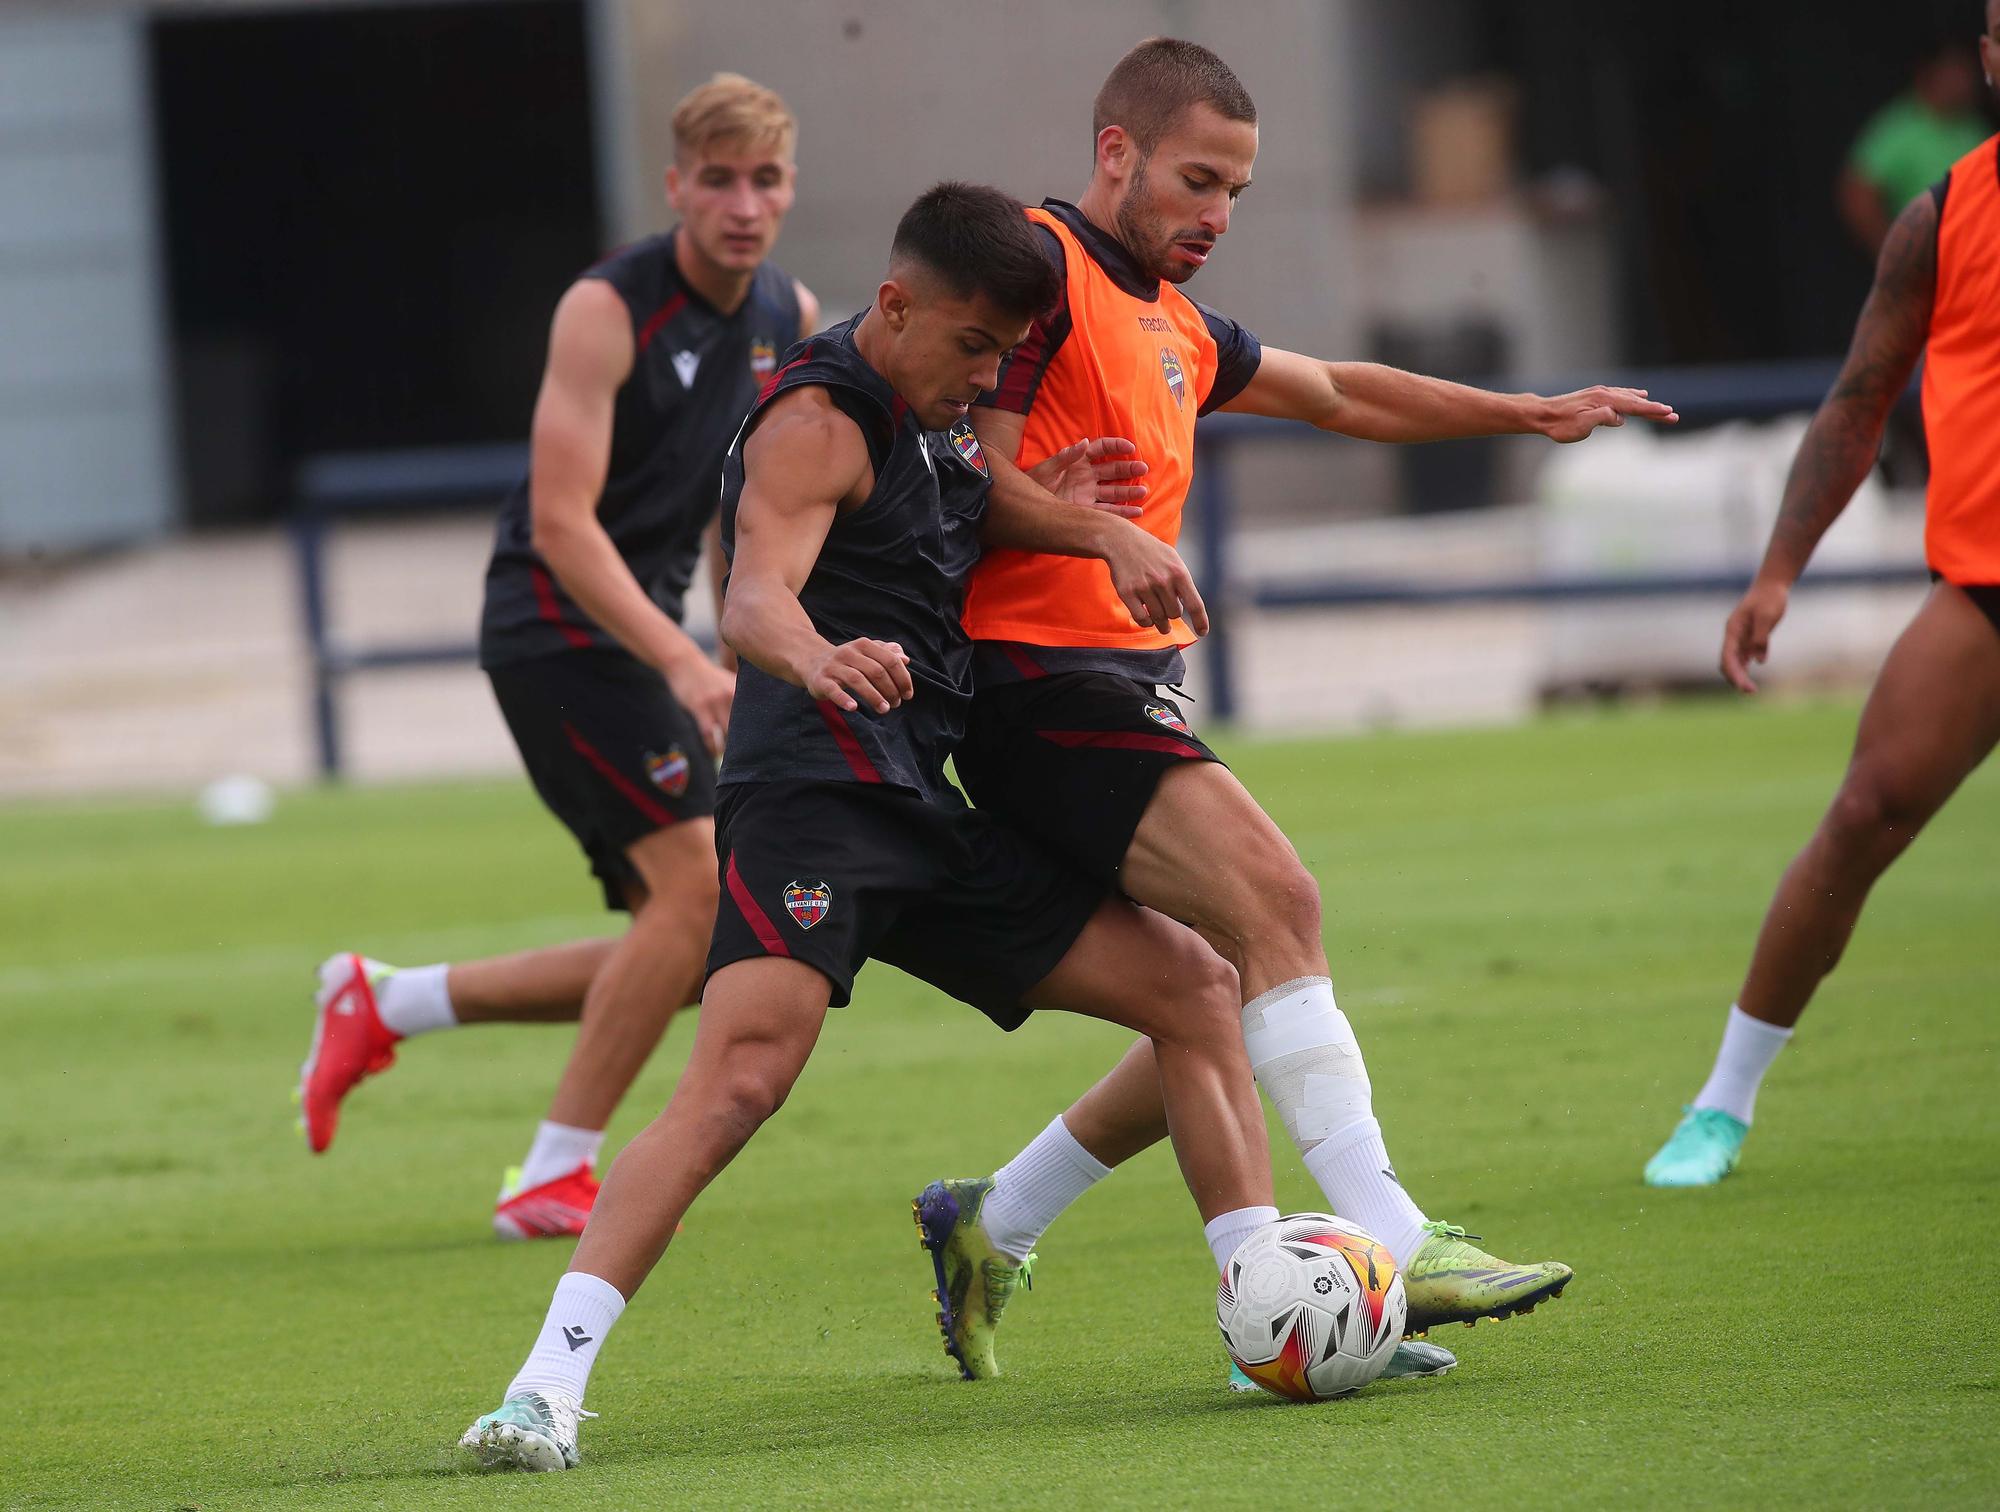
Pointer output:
977, 241
1158, 82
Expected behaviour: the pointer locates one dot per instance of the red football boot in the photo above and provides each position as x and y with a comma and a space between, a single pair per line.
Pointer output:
556, 1209
350, 1043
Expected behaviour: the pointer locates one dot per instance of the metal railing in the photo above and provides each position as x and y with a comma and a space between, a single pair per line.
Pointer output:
1701, 396
357, 485
343, 486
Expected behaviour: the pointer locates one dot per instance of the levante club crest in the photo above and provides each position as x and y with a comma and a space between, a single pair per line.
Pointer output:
669, 772
966, 444
1170, 364
763, 358
807, 902
1160, 714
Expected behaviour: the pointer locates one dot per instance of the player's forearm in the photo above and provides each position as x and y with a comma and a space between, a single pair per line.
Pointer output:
769, 628
1839, 448
587, 564
718, 575
1020, 513
1377, 403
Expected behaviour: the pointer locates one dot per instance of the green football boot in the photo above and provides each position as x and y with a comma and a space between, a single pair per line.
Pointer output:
1450, 1280
974, 1280
1703, 1149
1413, 1358
533, 1431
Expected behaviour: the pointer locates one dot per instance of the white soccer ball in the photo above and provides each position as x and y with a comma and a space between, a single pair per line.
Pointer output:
1311, 1307
239, 799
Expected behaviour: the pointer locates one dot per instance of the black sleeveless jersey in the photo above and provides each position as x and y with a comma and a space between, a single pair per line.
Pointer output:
893, 569
695, 373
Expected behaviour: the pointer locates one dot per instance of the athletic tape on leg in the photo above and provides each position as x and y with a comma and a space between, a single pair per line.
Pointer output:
1307, 1060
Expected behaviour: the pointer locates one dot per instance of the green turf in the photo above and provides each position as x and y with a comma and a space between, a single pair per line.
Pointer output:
1536, 933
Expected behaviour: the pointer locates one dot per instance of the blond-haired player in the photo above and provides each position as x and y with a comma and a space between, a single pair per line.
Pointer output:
655, 356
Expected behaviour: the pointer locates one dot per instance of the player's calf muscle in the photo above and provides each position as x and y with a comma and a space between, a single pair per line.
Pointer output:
1200, 1007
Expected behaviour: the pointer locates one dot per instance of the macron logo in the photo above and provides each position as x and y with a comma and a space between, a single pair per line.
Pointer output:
685, 364
575, 1337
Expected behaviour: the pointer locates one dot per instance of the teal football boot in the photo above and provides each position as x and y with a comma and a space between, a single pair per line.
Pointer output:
1703, 1149
533, 1431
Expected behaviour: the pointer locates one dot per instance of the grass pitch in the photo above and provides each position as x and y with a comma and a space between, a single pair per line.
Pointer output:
1536, 933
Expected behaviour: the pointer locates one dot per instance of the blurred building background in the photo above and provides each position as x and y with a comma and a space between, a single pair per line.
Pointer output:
234, 236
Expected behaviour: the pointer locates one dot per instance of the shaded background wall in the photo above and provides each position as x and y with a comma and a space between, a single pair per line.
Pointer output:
899, 93
85, 438
233, 234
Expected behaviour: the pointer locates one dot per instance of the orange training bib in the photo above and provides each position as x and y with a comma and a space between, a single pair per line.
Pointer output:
1130, 367
1962, 376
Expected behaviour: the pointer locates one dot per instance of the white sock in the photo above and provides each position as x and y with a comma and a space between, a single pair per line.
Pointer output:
1748, 1047
414, 1000
1309, 1063
1230, 1229
559, 1149
580, 1316
1031, 1190
1352, 1168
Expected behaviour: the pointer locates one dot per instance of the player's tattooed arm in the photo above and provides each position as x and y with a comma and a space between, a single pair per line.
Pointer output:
1845, 436
1148, 575
1376, 403
590, 356
803, 464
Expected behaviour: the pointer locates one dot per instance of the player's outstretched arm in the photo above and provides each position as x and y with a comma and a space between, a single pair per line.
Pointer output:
1148, 574
1845, 436
803, 463
590, 357
1377, 403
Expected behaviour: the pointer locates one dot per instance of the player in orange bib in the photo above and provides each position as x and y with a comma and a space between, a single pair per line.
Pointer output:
1934, 714
1073, 738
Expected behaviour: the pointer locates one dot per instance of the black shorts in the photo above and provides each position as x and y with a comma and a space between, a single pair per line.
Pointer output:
1073, 759
836, 873
610, 750
1986, 598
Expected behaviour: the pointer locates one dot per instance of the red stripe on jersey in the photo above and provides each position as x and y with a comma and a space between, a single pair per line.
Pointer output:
637, 796
759, 921
1120, 740
857, 759
771, 383
545, 602
660, 317
1024, 370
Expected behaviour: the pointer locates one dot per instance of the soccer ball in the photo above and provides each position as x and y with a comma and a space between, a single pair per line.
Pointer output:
1311, 1307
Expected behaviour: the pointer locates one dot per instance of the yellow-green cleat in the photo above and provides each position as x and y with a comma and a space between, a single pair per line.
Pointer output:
1451, 1280
974, 1280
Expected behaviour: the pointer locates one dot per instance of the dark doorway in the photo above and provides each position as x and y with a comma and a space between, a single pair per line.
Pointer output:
1719, 129
370, 212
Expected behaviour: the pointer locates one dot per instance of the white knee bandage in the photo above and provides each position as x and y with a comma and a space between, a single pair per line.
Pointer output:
1307, 1060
